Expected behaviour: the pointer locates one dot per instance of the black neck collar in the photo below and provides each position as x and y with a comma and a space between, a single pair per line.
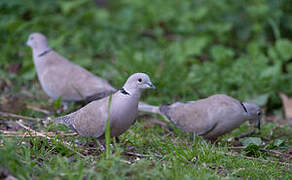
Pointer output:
123, 91
243, 107
44, 52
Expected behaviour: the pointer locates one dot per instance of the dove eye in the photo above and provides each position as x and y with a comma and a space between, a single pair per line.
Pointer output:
259, 113
140, 80
31, 38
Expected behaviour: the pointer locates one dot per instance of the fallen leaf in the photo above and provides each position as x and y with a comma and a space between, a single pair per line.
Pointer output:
287, 104
13, 68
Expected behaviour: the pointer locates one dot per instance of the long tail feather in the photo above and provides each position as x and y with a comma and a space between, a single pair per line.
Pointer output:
148, 108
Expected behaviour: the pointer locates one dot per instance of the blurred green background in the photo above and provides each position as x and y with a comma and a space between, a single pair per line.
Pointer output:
191, 49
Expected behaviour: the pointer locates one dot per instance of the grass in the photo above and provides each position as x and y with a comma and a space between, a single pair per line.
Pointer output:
107, 129
189, 50
146, 151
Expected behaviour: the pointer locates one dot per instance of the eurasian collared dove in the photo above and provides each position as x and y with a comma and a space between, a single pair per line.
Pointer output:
61, 78
90, 121
210, 117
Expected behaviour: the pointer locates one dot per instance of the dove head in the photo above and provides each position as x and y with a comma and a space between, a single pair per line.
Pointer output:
137, 82
37, 41
255, 114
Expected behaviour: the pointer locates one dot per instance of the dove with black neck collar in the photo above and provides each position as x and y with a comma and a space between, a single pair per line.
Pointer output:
90, 121
210, 117
60, 78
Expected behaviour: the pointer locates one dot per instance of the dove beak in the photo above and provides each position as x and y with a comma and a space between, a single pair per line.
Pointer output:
151, 86
25, 44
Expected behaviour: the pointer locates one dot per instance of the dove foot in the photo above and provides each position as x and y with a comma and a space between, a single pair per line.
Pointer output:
101, 146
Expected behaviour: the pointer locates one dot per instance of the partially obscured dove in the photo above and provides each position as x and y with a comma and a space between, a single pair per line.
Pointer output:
61, 78
90, 121
210, 117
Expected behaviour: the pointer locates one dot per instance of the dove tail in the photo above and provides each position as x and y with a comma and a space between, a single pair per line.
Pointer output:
164, 110
148, 108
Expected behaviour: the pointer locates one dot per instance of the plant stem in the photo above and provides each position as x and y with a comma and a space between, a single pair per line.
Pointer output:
107, 130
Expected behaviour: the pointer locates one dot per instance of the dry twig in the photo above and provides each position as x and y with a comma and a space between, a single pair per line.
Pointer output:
52, 134
245, 134
5, 114
255, 159
141, 155
262, 149
31, 130
35, 108
67, 145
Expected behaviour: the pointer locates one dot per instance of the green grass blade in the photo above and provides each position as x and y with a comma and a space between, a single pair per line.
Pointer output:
107, 130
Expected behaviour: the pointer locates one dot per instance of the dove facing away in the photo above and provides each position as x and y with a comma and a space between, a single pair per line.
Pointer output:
90, 121
61, 78
210, 117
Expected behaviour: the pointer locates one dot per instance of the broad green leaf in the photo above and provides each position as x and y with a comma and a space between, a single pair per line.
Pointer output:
260, 100
250, 140
271, 71
194, 46
283, 47
221, 54
279, 142
69, 6
29, 75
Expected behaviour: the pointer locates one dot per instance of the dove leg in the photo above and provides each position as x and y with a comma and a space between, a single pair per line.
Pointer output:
65, 106
117, 139
101, 146
212, 140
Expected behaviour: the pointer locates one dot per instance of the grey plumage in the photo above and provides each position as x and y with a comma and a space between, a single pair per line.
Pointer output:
90, 121
210, 117
61, 78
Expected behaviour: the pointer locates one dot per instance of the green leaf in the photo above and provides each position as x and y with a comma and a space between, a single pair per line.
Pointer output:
200, 13
271, 71
189, 47
273, 54
58, 102
195, 45
284, 46
250, 140
252, 145
252, 149
279, 142
29, 75
70, 6
260, 100
222, 55
254, 48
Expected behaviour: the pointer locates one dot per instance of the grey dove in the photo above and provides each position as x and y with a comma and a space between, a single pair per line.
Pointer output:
210, 117
90, 121
61, 78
